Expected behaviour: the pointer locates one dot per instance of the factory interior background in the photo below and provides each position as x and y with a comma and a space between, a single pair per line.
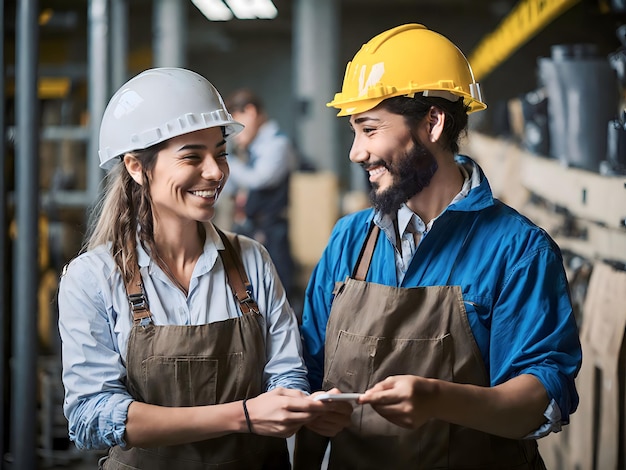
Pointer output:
560, 161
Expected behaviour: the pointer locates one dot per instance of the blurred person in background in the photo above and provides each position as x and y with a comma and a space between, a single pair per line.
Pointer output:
260, 169
180, 349
448, 310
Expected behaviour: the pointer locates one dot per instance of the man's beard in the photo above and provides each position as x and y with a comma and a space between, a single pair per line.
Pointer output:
411, 174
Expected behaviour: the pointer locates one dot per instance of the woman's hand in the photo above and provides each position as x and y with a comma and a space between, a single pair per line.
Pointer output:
332, 417
281, 412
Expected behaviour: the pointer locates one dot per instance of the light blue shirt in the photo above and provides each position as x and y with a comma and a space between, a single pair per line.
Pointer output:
272, 158
95, 323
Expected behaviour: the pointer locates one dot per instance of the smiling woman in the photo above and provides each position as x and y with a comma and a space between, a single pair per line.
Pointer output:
185, 180
178, 340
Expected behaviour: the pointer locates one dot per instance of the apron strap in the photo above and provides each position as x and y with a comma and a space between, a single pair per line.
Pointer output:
137, 300
365, 257
236, 274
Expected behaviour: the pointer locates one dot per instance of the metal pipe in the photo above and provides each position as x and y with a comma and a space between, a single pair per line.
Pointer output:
169, 33
3, 244
98, 88
317, 131
25, 262
119, 43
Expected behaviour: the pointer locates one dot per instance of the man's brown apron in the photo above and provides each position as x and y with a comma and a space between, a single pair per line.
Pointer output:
200, 365
375, 331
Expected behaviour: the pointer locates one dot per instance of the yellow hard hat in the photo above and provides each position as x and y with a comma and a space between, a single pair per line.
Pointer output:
401, 62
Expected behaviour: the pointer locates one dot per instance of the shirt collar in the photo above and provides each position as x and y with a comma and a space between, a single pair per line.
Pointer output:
405, 217
386, 222
478, 196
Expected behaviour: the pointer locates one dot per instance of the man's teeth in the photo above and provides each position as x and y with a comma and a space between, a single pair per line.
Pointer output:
377, 171
204, 193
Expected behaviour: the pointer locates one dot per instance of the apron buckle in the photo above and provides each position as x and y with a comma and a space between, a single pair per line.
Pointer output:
250, 303
139, 309
137, 302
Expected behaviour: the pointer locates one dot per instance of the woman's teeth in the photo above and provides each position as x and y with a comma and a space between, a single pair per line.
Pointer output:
210, 193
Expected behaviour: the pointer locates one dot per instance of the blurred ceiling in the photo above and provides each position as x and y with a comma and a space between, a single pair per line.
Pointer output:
63, 33
65, 26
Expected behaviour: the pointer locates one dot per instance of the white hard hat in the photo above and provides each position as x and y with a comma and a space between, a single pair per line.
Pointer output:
156, 105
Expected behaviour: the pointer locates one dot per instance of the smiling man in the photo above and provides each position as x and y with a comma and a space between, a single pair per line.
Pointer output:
448, 310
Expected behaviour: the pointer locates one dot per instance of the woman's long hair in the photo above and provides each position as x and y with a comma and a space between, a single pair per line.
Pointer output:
124, 213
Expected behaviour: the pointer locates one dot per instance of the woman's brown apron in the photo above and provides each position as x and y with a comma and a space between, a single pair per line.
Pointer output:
375, 331
200, 365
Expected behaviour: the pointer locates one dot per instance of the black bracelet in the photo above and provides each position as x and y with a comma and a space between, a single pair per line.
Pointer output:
245, 412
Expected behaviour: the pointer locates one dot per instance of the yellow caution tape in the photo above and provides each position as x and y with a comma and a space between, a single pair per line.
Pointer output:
526, 19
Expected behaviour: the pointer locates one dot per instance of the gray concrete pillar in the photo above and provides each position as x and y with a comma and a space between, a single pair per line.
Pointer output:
169, 33
25, 254
98, 60
119, 43
316, 75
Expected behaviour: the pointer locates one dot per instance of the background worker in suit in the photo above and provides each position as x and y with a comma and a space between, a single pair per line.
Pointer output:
260, 172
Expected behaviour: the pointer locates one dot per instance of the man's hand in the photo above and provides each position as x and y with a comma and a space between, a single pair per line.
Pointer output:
402, 400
